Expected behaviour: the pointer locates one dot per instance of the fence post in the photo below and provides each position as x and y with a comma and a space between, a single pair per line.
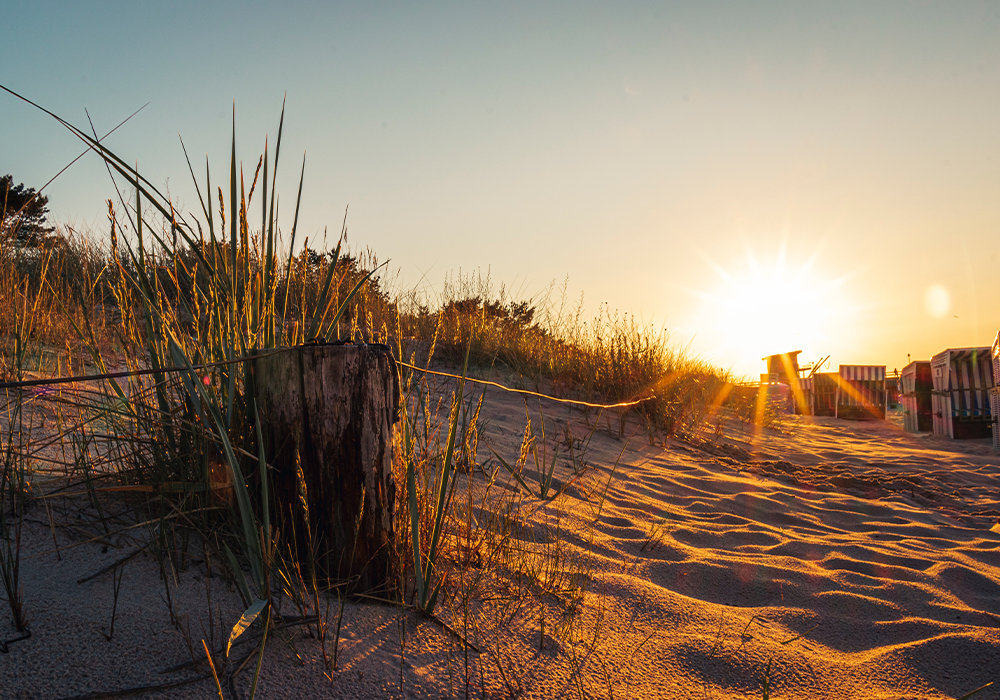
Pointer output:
329, 409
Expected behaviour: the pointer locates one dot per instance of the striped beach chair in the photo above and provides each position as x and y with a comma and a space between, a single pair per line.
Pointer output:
916, 396
963, 378
995, 393
861, 392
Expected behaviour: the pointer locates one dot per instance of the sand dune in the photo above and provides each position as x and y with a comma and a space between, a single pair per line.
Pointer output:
833, 559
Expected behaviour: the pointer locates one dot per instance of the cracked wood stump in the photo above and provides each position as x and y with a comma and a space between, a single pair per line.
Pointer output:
329, 409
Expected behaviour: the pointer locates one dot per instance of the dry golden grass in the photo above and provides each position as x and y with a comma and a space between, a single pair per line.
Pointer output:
149, 449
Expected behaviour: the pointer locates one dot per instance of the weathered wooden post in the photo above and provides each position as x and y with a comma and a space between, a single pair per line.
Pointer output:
330, 409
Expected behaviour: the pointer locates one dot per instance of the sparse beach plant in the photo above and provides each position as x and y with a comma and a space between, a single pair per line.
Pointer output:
428, 581
15, 480
192, 298
14, 485
183, 449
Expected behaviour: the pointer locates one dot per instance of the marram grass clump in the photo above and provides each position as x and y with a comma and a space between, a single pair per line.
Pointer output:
180, 452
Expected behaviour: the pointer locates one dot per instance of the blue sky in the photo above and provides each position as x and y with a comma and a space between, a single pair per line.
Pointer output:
686, 162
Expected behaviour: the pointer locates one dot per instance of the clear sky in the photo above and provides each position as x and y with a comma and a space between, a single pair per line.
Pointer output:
752, 176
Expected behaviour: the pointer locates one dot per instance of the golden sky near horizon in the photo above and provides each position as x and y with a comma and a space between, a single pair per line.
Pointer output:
755, 177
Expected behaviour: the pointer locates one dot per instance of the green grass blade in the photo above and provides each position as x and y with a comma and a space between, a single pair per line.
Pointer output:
201, 200
233, 209
260, 655
238, 576
444, 480
251, 537
265, 304
246, 619
548, 476
291, 247
513, 472
344, 306
265, 496
211, 224
274, 176
298, 198
411, 492
323, 302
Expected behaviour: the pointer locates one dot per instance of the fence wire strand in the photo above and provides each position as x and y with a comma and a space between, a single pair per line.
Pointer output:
52, 381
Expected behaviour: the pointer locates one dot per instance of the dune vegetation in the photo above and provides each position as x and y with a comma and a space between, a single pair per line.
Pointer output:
169, 463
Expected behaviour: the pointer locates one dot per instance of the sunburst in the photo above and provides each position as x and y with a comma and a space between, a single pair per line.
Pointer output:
762, 307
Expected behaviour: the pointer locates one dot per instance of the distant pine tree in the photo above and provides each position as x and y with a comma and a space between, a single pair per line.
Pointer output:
23, 213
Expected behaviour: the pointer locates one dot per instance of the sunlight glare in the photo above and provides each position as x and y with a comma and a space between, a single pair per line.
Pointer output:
937, 300
762, 309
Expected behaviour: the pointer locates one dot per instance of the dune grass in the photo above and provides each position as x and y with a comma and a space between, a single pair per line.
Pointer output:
181, 453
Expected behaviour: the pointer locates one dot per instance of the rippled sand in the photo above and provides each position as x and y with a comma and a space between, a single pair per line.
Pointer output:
834, 559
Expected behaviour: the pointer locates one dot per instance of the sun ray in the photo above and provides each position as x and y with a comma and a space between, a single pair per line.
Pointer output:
767, 304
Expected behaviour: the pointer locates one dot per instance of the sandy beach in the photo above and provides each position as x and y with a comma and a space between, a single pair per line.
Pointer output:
827, 559
491, 396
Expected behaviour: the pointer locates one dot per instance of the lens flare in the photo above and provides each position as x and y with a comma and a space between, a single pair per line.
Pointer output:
937, 300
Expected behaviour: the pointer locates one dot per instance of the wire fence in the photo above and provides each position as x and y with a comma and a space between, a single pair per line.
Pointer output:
54, 381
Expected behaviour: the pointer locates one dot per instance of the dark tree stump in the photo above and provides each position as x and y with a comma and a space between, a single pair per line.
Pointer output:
334, 405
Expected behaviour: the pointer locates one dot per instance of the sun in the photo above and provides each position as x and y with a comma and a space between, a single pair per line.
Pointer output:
759, 308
